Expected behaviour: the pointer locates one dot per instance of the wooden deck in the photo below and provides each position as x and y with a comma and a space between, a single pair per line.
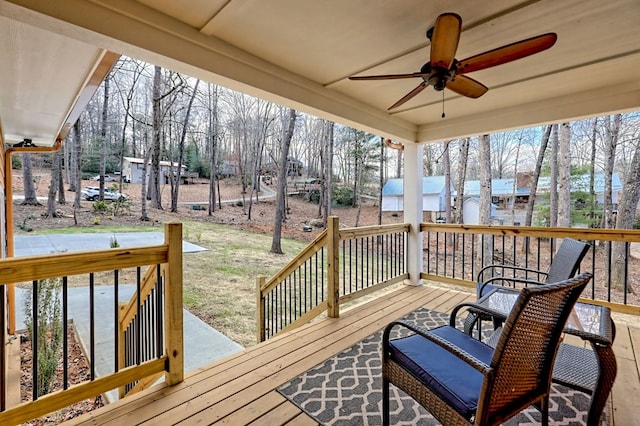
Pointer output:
240, 389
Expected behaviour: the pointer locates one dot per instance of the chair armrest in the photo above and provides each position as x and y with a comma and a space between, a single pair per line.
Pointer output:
511, 280
476, 309
507, 267
445, 344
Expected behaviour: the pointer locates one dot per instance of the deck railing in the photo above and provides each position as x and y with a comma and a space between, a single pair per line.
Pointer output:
141, 326
456, 253
338, 266
87, 268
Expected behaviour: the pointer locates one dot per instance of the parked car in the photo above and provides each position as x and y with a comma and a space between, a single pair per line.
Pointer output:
106, 178
92, 193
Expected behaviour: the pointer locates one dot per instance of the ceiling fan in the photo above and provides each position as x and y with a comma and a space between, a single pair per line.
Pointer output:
443, 70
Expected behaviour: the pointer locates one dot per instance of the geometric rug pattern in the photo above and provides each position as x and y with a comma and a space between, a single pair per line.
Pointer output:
347, 389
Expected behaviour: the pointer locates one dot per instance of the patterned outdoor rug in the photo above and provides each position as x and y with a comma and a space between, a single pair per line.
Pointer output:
347, 389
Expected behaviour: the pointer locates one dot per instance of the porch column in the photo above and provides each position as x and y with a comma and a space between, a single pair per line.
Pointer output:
413, 215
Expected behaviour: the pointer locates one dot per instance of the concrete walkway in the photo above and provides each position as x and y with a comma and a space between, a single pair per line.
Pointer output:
29, 245
202, 343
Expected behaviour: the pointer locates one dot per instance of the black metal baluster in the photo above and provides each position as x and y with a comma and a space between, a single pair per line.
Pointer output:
160, 316
116, 320
65, 341
92, 327
34, 340
138, 333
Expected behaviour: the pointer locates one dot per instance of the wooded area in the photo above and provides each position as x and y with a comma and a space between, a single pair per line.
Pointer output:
158, 115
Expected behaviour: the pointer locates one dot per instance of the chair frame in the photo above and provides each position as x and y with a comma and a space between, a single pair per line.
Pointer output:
533, 328
564, 265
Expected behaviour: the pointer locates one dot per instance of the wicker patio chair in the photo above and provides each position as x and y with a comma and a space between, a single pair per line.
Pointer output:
564, 265
461, 380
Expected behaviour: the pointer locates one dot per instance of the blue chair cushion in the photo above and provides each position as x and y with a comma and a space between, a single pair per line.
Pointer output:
453, 380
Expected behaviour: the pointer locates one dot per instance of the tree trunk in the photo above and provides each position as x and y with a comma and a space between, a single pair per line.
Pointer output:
282, 184
328, 199
564, 177
154, 177
625, 220
381, 180
553, 185
143, 190
462, 177
72, 164
447, 182
77, 151
183, 136
592, 175
486, 254
213, 137
103, 135
30, 198
612, 129
533, 188
53, 186
61, 197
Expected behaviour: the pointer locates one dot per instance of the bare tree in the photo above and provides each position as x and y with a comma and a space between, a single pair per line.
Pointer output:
77, 174
212, 136
564, 177
185, 125
447, 181
282, 183
103, 134
30, 197
612, 131
53, 186
625, 220
553, 185
462, 176
533, 186
484, 152
328, 170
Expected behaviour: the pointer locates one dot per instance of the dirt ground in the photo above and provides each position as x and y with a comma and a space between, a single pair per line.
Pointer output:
260, 219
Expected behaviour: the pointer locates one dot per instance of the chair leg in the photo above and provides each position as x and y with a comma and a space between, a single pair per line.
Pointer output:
385, 401
544, 411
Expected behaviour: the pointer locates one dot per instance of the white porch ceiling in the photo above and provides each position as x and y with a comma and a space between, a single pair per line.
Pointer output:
300, 52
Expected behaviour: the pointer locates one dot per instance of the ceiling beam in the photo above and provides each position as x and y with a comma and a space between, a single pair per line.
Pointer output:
607, 100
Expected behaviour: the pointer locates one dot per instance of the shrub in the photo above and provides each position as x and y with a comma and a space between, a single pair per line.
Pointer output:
49, 326
100, 207
343, 196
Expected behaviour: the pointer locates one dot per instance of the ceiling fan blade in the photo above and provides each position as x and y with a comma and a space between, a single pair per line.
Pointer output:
419, 88
508, 53
387, 76
444, 40
467, 86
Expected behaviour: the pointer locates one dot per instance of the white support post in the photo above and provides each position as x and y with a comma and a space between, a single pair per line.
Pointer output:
413, 214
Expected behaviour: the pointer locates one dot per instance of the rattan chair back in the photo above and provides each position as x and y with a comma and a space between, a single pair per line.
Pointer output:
524, 356
566, 261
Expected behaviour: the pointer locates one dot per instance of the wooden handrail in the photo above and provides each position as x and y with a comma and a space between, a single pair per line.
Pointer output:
28, 268
371, 231
303, 256
623, 235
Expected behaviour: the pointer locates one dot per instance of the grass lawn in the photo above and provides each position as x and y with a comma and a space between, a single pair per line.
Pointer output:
219, 283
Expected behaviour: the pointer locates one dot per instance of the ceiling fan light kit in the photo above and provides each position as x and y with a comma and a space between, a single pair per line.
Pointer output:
444, 71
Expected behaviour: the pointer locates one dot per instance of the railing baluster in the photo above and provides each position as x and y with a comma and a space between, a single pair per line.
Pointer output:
92, 327
116, 317
65, 342
34, 341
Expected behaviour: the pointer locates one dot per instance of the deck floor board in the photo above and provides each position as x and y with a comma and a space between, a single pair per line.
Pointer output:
240, 389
